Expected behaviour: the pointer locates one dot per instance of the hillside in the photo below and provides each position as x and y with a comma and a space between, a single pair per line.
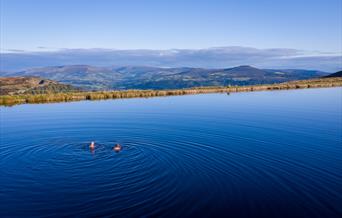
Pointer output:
32, 85
13, 99
337, 74
136, 77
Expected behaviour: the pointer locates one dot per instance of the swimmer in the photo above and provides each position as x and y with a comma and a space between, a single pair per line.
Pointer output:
117, 147
92, 145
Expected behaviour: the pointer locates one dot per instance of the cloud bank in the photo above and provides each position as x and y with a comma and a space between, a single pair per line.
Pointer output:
218, 57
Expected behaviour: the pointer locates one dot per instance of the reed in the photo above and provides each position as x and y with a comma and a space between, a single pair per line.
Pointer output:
8, 100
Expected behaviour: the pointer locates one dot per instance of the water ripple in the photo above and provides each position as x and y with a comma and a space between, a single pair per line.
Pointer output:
225, 160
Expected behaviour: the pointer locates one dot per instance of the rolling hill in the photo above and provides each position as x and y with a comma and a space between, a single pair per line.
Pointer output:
142, 77
32, 85
337, 74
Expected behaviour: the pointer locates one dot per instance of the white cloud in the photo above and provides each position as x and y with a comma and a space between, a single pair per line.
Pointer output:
217, 57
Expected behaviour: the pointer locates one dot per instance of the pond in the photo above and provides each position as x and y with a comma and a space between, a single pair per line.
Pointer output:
276, 153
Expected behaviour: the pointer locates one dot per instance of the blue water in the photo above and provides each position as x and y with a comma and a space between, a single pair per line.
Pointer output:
257, 154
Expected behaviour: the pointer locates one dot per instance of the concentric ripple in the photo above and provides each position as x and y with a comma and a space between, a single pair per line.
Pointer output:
263, 154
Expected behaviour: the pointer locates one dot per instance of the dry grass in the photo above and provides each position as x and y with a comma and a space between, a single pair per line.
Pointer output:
8, 100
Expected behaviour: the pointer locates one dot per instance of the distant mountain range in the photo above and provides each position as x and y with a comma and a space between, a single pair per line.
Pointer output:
32, 85
215, 57
140, 77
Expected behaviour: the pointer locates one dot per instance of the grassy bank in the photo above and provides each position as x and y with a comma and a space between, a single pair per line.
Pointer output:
9, 100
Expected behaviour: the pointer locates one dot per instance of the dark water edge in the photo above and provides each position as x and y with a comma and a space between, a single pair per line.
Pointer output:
258, 154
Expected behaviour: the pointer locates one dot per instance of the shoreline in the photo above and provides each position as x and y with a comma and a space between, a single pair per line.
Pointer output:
10, 100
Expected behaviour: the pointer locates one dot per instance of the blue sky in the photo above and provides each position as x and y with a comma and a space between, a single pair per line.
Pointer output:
160, 24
